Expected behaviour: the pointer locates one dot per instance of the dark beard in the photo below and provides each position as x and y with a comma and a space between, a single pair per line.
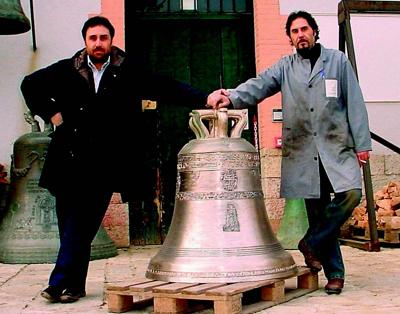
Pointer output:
99, 60
305, 52
311, 53
308, 53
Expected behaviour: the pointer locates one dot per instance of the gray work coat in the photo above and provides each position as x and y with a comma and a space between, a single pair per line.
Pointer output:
324, 118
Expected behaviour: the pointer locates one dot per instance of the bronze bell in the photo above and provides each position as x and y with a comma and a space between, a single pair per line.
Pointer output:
12, 18
28, 231
220, 231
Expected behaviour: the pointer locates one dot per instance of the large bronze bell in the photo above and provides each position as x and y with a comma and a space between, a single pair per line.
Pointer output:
28, 231
220, 231
12, 18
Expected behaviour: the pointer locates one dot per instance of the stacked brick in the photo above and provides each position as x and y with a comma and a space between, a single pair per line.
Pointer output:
387, 209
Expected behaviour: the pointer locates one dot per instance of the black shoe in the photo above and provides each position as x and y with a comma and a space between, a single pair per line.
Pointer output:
334, 286
70, 296
310, 259
52, 294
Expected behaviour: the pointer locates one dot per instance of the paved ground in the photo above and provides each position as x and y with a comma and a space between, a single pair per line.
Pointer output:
372, 285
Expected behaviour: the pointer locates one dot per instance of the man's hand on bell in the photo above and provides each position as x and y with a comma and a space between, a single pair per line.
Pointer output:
218, 99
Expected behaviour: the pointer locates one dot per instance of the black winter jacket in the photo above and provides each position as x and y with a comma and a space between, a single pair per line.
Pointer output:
98, 144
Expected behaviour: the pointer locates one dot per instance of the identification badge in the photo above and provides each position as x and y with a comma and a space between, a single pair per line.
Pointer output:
331, 88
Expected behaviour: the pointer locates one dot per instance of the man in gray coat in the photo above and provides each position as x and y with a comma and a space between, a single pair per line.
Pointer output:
325, 137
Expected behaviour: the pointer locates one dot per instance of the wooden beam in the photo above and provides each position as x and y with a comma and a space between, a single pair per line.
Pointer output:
342, 38
355, 6
345, 8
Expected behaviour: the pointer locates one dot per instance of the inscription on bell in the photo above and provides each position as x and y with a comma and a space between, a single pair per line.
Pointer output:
231, 219
229, 179
32, 186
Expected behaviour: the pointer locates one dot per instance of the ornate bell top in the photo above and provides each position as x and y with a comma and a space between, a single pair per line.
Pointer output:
215, 137
218, 123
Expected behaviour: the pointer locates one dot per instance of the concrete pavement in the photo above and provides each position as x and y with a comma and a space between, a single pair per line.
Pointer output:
372, 285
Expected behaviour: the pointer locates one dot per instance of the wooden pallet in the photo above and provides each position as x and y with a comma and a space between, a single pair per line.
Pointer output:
225, 298
387, 236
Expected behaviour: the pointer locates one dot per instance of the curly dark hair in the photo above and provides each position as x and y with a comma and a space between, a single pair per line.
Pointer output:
305, 15
95, 21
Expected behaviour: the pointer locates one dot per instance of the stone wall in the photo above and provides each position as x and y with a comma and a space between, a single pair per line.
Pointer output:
384, 168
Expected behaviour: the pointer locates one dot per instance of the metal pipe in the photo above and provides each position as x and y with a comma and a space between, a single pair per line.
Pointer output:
33, 26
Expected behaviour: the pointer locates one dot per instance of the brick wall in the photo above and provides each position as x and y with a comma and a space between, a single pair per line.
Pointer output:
271, 43
116, 220
114, 10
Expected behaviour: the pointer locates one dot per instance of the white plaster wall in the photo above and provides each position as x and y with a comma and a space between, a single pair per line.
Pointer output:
377, 49
58, 35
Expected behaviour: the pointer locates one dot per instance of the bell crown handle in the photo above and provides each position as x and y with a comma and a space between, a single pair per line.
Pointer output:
217, 122
30, 118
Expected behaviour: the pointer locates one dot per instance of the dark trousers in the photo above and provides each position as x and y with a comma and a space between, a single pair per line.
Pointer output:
79, 213
325, 217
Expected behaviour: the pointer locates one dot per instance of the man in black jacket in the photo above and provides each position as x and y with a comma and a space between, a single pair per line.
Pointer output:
94, 101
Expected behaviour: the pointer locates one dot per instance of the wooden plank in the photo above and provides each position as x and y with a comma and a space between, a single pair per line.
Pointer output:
357, 6
308, 280
173, 287
170, 305
148, 286
125, 285
119, 303
199, 289
385, 236
226, 298
239, 287
391, 237
231, 306
199, 297
274, 292
301, 270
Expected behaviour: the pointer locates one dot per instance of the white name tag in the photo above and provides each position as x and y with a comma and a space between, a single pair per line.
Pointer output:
331, 88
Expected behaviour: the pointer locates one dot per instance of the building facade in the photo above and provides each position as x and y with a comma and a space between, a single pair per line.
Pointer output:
57, 30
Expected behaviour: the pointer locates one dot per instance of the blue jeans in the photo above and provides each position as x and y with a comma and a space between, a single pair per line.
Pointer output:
325, 217
79, 213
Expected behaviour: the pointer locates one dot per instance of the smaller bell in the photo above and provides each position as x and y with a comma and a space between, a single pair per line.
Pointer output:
28, 230
12, 18
294, 223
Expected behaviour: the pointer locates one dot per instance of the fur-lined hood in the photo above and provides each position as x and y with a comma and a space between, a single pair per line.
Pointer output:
117, 57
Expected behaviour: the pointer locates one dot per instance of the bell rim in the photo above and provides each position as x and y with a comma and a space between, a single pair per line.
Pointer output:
218, 277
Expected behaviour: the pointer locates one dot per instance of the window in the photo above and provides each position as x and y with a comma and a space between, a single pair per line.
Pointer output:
200, 6
189, 4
